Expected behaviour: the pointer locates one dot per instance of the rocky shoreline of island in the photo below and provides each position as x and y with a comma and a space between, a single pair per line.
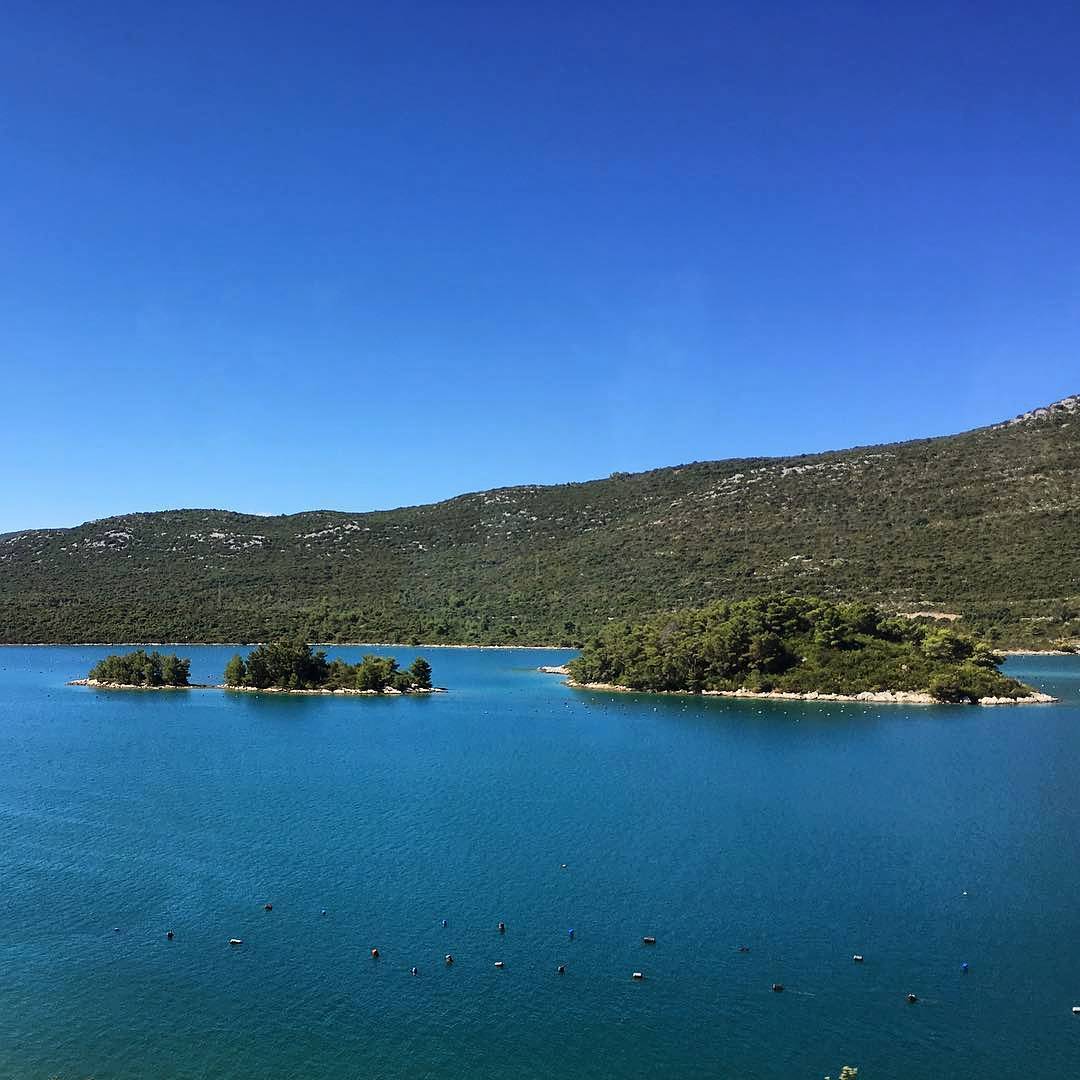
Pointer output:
872, 697
99, 684
866, 697
386, 691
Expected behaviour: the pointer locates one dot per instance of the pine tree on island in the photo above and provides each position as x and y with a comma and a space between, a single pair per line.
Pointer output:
141, 668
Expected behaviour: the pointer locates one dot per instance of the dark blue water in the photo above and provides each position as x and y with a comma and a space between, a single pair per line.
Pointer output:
920, 837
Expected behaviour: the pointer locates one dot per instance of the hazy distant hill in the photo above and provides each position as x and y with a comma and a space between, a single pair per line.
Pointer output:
986, 524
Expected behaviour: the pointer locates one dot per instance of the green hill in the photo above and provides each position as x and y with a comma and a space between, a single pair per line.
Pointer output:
985, 524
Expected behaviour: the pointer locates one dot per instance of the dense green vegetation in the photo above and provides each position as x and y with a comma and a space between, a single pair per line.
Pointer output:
141, 668
985, 524
798, 644
292, 665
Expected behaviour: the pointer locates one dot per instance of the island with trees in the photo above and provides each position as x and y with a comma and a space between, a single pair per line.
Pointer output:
293, 667
140, 670
792, 646
286, 666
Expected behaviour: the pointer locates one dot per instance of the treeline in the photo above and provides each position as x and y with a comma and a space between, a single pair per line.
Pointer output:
798, 644
141, 668
292, 665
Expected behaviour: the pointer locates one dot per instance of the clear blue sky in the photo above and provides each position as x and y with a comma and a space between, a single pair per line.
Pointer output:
274, 256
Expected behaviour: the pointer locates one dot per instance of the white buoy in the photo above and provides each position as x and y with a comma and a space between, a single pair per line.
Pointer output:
498, 963
236, 941
857, 958
1076, 1010
638, 975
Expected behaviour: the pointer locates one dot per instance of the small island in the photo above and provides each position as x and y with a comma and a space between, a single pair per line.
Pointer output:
292, 667
140, 670
797, 647
279, 667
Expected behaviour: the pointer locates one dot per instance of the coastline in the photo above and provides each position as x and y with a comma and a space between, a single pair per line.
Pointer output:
366, 645
96, 685
341, 691
872, 697
1035, 652
388, 692
249, 644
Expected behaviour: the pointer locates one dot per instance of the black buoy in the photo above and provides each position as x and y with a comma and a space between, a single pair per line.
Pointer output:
169, 935
374, 954
502, 928
778, 988
744, 948
268, 907
912, 999
445, 923
561, 969
413, 971
449, 959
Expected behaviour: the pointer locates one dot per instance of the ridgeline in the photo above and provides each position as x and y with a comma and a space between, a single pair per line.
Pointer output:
984, 525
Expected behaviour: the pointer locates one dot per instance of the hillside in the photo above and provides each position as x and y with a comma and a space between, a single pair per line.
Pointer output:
985, 524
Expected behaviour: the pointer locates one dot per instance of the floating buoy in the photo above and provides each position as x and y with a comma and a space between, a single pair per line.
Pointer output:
744, 948
964, 967
499, 964
116, 929
912, 999
562, 866
778, 988
648, 941
323, 912
169, 935
236, 941
561, 970
857, 958
502, 928
374, 954
570, 933
445, 923
449, 959
268, 907
639, 975
1076, 1010
413, 971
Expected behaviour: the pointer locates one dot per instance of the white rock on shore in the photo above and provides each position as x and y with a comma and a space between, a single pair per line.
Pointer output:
880, 697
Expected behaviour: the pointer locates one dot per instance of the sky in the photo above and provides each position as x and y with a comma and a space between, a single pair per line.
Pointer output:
274, 257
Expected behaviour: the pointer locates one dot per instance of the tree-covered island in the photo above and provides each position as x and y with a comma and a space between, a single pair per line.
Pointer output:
796, 645
140, 669
293, 666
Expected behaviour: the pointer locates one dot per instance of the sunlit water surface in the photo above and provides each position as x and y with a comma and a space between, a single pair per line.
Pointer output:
921, 838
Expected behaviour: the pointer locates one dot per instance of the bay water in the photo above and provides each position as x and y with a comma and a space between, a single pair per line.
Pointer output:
921, 838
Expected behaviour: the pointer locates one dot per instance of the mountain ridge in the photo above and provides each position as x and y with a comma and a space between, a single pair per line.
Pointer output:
1070, 403
982, 522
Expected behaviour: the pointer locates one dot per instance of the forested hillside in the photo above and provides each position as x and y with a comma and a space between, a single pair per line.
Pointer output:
985, 524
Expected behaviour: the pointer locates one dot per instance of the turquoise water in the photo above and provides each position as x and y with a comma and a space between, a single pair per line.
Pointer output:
921, 838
